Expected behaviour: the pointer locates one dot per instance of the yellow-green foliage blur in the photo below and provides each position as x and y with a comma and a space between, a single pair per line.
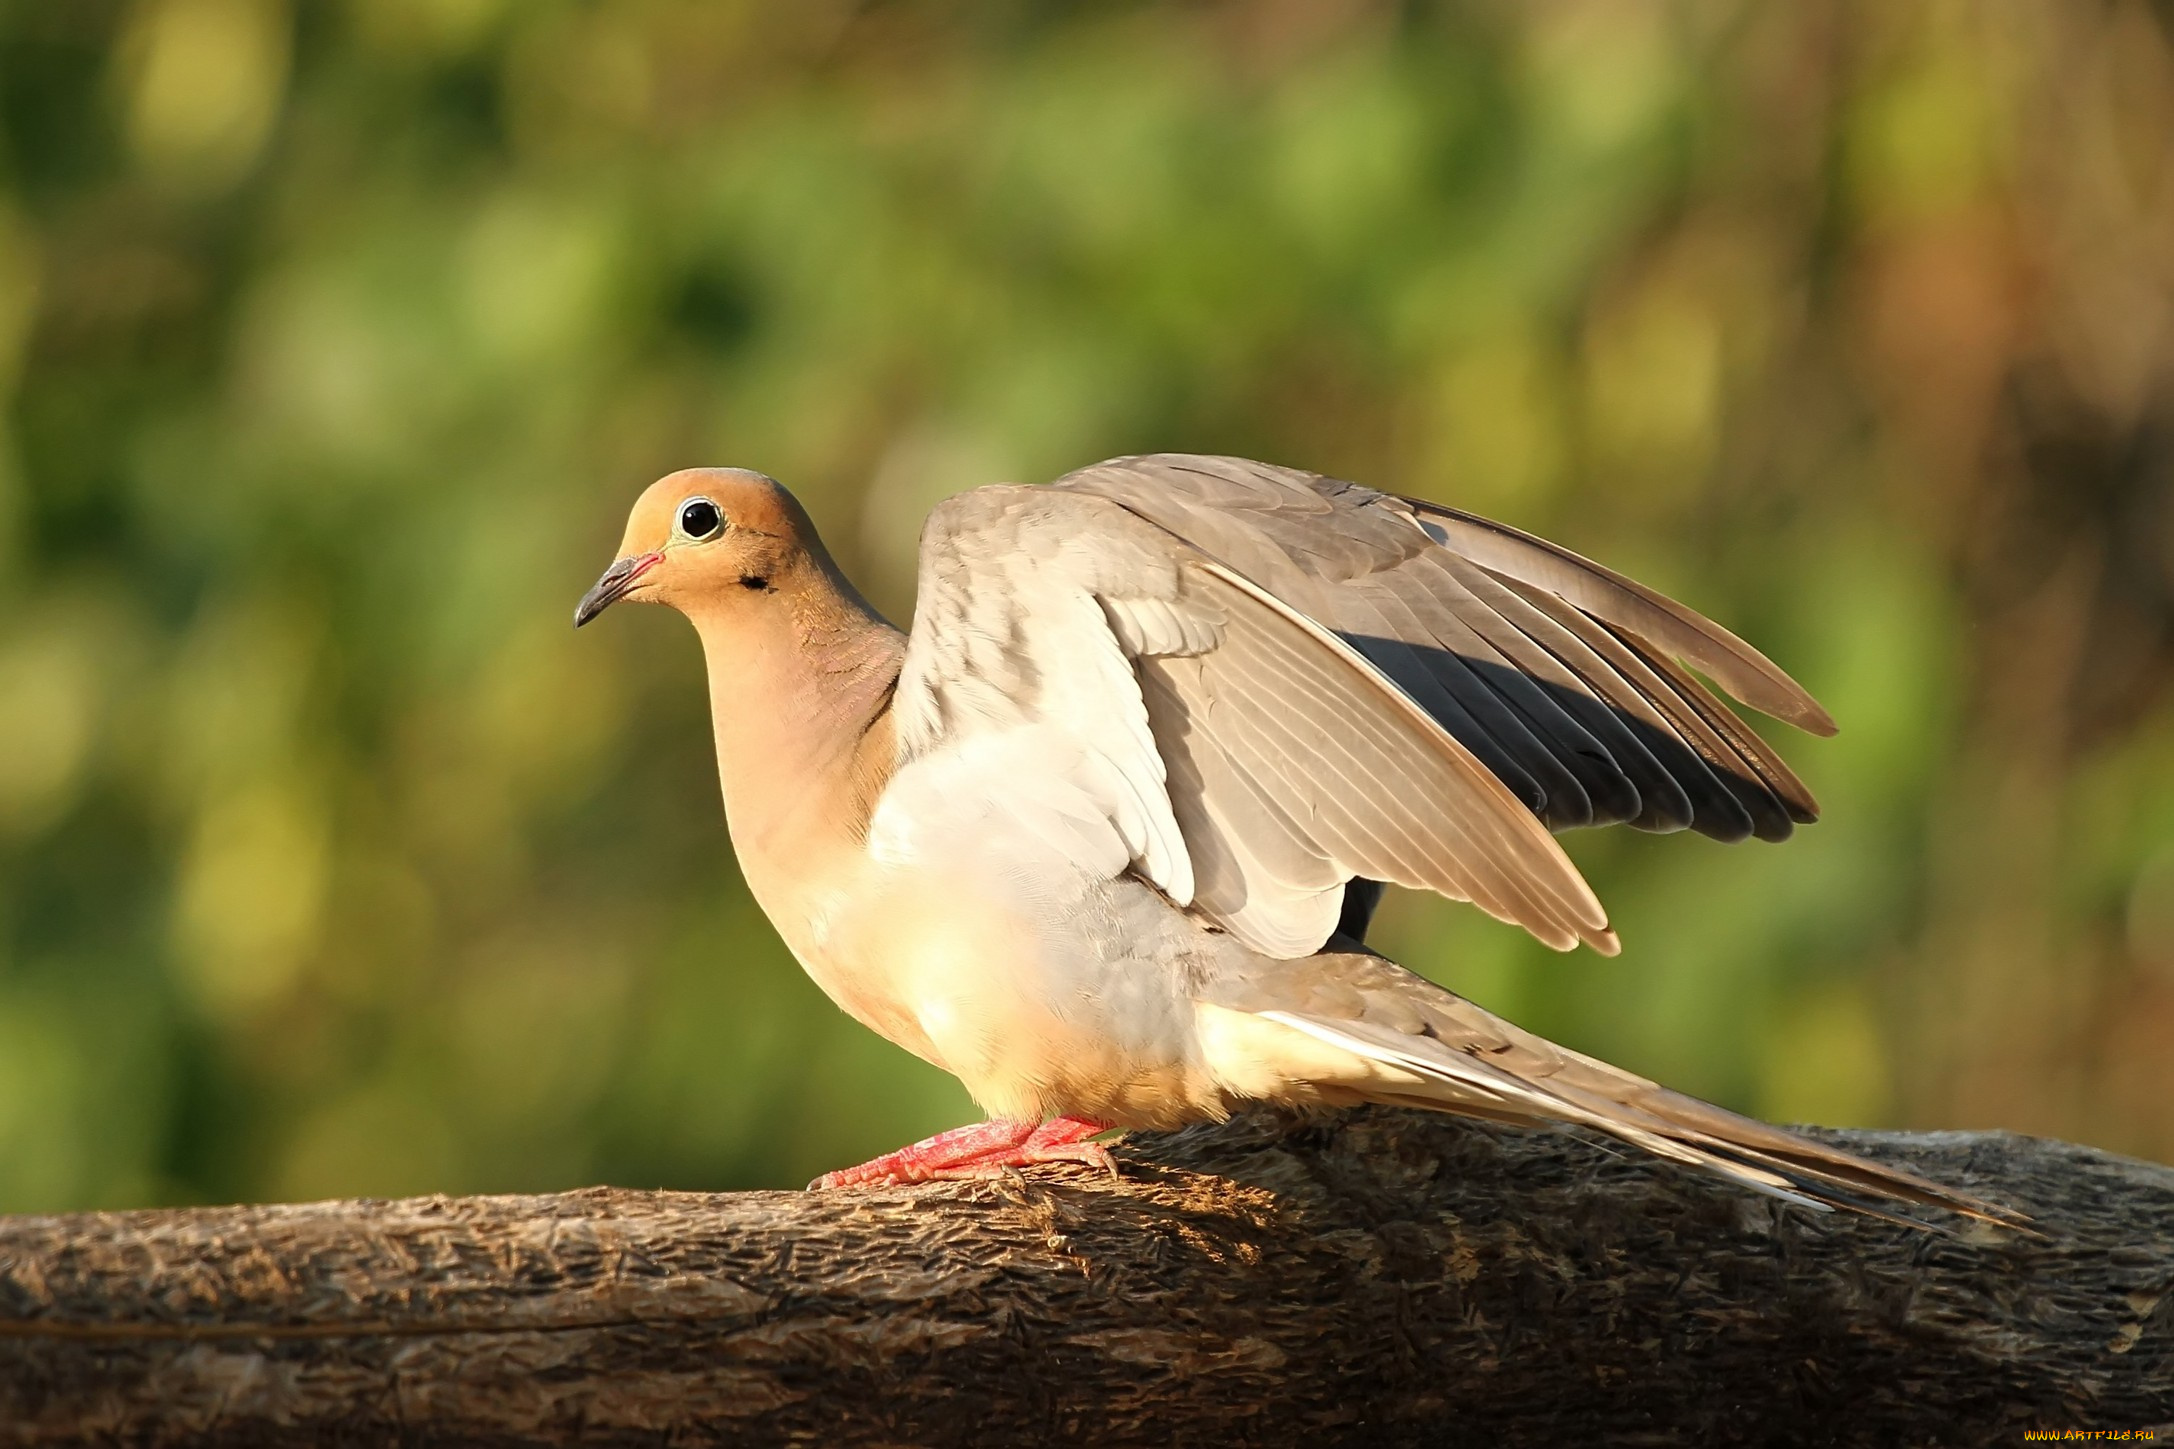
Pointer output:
336, 338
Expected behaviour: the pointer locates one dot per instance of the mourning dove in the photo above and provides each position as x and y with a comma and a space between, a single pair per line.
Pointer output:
1102, 834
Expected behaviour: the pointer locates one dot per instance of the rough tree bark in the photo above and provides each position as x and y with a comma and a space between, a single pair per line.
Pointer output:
1377, 1277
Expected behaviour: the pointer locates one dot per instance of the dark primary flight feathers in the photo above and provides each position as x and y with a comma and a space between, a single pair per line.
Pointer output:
1567, 681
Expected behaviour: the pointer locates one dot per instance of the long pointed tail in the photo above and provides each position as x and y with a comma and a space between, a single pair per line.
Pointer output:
1364, 1027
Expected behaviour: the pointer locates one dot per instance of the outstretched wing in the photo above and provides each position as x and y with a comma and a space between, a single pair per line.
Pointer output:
1140, 704
1567, 679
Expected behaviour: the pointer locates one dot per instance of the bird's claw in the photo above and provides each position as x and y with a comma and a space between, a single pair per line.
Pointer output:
985, 1150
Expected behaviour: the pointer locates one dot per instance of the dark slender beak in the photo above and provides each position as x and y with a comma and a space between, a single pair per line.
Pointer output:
616, 581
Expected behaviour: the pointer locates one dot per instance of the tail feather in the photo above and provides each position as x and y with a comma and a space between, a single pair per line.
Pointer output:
1449, 1055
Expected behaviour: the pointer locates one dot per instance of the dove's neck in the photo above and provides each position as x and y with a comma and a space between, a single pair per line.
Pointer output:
800, 694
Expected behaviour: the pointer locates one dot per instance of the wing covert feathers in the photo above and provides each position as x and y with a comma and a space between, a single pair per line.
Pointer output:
1250, 760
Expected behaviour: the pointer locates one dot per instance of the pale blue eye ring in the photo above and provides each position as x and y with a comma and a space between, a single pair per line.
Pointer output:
699, 519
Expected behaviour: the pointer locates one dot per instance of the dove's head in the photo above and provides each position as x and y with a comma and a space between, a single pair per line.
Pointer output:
707, 538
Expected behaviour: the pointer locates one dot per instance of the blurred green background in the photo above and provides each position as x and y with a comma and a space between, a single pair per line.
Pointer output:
336, 339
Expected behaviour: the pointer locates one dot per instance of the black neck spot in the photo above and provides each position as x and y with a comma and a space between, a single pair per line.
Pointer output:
753, 581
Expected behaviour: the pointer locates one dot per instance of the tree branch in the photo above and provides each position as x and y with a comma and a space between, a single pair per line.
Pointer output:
1378, 1277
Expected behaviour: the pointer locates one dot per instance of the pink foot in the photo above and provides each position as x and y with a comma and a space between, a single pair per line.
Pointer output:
982, 1150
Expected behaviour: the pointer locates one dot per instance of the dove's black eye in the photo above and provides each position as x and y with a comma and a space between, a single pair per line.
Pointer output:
699, 518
